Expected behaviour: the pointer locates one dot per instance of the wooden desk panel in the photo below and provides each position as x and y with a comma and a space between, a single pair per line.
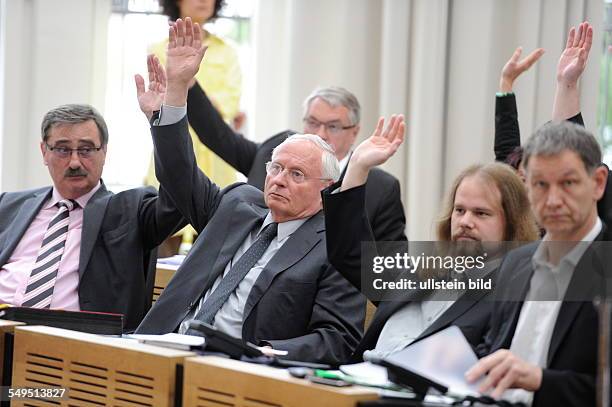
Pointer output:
163, 274
216, 382
95, 370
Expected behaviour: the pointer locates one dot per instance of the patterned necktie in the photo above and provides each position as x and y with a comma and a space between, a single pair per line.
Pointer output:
39, 290
234, 276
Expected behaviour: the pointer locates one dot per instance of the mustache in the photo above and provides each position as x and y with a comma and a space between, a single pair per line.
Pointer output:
75, 172
465, 233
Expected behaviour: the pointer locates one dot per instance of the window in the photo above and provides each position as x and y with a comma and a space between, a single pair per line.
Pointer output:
135, 25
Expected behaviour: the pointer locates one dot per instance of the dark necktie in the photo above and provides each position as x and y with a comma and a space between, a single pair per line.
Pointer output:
234, 276
41, 282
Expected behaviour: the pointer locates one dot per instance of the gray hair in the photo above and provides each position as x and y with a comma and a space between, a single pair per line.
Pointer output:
330, 167
73, 114
553, 138
336, 96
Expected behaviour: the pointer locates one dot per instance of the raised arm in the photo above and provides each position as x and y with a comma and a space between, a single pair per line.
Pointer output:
515, 68
373, 151
571, 65
214, 133
507, 133
346, 221
189, 188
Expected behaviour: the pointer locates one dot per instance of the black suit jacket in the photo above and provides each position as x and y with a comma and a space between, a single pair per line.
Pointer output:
118, 241
383, 198
508, 138
347, 227
569, 379
298, 303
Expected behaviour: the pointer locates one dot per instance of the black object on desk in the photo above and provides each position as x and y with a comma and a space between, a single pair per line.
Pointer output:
83, 321
236, 348
420, 385
221, 342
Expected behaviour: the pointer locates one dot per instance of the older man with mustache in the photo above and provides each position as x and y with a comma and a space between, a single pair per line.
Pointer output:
75, 245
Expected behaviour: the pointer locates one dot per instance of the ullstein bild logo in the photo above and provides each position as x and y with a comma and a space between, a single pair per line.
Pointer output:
433, 284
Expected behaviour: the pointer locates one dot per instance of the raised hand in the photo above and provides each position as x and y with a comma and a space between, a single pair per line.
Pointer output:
151, 99
374, 150
574, 57
184, 55
514, 68
377, 149
571, 65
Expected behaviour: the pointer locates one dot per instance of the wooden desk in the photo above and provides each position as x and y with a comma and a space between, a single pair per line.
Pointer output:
163, 274
213, 381
95, 370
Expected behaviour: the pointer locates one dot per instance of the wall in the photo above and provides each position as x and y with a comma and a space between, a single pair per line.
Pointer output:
436, 61
55, 53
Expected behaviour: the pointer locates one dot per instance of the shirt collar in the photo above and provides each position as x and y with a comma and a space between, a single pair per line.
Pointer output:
540, 257
82, 200
344, 162
285, 229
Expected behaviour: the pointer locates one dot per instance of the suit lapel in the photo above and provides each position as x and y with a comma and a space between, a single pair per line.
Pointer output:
386, 309
202, 266
200, 270
383, 312
27, 212
581, 287
243, 221
295, 248
93, 215
459, 307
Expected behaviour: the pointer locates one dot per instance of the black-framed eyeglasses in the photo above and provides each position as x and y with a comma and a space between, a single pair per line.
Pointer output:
65, 152
312, 125
297, 176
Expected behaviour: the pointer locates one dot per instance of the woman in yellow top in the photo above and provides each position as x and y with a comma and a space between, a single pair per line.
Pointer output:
219, 75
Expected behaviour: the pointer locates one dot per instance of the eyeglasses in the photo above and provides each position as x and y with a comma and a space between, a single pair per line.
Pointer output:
65, 152
312, 125
297, 176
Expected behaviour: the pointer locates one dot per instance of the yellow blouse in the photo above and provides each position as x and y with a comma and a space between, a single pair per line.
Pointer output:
221, 78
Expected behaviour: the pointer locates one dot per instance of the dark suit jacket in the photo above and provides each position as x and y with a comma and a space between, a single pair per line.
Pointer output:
347, 227
569, 379
508, 138
507, 131
119, 237
383, 198
299, 302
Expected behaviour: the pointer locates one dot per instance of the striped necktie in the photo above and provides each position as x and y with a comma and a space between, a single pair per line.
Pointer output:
41, 282
236, 274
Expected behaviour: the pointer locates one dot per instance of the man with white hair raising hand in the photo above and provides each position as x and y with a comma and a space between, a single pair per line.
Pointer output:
259, 268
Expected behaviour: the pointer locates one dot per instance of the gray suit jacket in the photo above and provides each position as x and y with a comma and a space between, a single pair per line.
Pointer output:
119, 237
299, 303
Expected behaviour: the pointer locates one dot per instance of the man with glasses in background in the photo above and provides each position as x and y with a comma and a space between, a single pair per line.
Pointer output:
75, 245
332, 113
